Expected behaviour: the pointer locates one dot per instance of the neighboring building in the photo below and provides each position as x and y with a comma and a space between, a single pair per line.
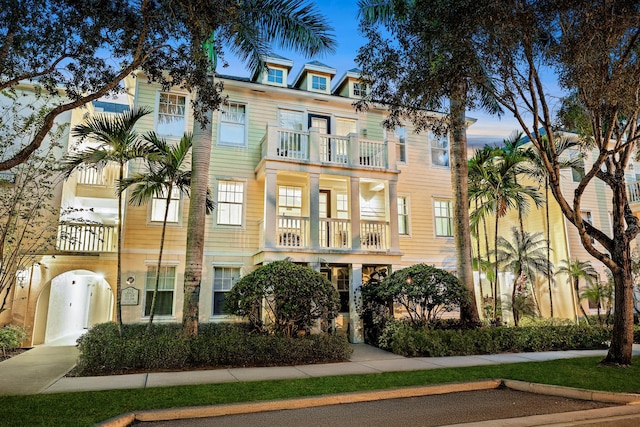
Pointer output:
296, 173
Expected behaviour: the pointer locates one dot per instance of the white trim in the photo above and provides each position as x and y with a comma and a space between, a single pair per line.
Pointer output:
187, 112
245, 142
168, 262
243, 222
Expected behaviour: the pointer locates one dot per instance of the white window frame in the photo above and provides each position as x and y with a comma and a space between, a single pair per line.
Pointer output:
225, 118
156, 214
159, 96
401, 146
289, 200
317, 80
437, 215
222, 203
359, 90
224, 284
149, 285
403, 217
435, 148
274, 77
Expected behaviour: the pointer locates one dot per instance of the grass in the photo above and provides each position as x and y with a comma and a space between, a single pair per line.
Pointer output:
88, 408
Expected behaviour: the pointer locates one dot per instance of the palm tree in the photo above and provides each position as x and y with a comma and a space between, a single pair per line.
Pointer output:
167, 172
500, 191
526, 257
118, 143
601, 294
292, 23
577, 270
562, 145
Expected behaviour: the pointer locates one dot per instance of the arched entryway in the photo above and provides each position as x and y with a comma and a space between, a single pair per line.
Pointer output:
73, 302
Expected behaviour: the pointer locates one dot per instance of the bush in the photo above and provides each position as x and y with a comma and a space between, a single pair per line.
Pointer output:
403, 339
295, 298
104, 351
11, 337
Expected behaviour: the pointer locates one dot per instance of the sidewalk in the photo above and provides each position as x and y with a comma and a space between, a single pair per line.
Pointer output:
42, 369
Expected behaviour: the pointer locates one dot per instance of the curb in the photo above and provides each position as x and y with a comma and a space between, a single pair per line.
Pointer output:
307, 402
574, 393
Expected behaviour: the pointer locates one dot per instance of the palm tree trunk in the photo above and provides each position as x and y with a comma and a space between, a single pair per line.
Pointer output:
201, 155
546, 206
119, 257
576, 288
479, 258
459, 182
514, 309
486, 247
152, 309
495, 270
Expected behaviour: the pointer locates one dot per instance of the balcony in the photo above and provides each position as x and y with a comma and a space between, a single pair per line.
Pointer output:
330, 150
633, 190
333, 234
104, 177
94, 238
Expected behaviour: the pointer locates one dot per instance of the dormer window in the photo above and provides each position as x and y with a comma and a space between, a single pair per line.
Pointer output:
319, 83
275, 75
359, 90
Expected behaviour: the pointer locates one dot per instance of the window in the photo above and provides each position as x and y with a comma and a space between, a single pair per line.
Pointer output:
289, 201
164, 298
403, 216
171, 114
443, 218
342, 283
158, 205
223, 280
342, 206
586, 217
346, 126
275, 75
233, 124
400, 133
318, 83
439, 150
359, 90
290, 119
230, 201
577, 166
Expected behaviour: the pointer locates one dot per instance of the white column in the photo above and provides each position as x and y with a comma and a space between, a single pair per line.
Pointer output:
314, 145
356, 332
270, 209
394, 240
354, 213
314, 210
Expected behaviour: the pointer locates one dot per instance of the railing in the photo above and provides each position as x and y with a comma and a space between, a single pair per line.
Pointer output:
293, 144
334, 233
87, 238
634, 191
292, 231
334, 149
105, 176
372, 153
373, 235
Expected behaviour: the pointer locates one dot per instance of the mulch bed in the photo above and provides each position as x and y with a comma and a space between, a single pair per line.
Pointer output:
8, 354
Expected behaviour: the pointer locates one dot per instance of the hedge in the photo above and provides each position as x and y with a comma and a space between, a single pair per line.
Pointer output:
11, 337
104, 351
401, 339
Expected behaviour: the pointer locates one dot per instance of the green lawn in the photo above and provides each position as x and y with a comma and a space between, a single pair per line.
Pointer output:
88, 408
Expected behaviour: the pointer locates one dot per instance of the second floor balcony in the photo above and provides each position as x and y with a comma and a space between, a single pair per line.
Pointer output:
92, 238
331, 150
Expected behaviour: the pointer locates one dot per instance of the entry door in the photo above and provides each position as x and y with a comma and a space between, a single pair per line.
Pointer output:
323, 123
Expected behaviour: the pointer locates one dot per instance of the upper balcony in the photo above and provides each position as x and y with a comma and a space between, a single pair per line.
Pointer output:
311, 147
97, 182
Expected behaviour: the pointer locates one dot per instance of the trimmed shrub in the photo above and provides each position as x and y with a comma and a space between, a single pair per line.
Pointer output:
401, 338
104, 351
295, 297
11, 337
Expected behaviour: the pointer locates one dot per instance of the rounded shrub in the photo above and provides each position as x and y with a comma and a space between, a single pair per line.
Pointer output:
284, 298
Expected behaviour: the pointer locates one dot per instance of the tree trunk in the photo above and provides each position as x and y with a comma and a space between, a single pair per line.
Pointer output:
479, 262
546, 206
576, 288
201, 154
459, 183
495, 269
621, 348
152, 309
119, 258
486, 247
514, 309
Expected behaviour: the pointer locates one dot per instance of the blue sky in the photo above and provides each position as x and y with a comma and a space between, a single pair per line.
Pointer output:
342, 16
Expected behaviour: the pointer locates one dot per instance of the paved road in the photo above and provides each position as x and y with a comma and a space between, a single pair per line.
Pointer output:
425, 411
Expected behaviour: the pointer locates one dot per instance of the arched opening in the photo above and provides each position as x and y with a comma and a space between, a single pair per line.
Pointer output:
73, 302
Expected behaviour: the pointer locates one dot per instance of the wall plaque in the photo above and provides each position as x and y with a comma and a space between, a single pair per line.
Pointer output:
130, 296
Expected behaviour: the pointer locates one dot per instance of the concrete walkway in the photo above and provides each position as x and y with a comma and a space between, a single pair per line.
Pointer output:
42, 369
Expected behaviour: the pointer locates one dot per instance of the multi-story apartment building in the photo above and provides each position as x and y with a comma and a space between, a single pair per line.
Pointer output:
296, 173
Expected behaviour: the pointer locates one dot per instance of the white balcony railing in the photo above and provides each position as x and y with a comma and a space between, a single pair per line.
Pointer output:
292, 231
105, 176
634, 191
334, 149
373, 235
87, 238
334, 233
293, 144
373, 153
